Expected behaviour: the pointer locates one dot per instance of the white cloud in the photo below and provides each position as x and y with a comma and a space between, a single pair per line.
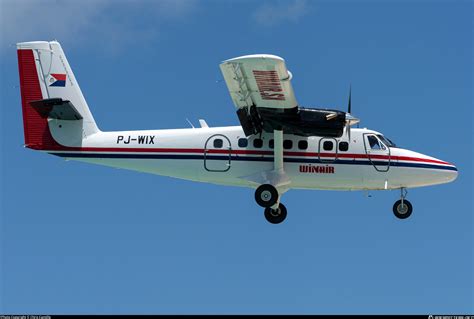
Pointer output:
273, 13
107, 25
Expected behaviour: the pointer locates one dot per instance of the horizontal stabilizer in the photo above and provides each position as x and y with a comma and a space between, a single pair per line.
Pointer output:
56, 108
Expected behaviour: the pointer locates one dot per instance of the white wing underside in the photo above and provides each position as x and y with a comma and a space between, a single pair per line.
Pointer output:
261, 80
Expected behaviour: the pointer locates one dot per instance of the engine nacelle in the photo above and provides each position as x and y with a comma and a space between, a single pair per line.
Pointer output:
299, 121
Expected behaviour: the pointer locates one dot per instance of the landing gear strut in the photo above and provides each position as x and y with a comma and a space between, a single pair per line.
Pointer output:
402, 208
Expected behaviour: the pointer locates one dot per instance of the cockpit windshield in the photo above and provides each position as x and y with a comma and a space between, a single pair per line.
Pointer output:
386, 140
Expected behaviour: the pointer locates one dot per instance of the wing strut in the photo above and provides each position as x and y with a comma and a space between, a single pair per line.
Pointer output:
278, 160
278, 151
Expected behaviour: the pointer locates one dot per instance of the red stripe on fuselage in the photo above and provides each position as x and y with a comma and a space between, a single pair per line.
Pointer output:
250, 152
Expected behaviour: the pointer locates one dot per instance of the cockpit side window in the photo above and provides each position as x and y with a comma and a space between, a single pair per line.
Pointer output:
374, 143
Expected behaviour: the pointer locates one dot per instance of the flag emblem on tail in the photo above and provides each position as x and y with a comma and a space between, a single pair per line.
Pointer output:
58, 80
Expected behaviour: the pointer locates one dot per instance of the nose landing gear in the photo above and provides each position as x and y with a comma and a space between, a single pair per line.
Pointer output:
402, 208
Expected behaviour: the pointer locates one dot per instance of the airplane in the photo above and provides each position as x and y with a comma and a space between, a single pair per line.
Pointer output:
278, 145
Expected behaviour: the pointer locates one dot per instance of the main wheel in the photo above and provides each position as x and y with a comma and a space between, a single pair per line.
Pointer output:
266, 195
275, 216
402, 211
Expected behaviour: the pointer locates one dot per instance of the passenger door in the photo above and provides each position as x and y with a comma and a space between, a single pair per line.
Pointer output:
217, 153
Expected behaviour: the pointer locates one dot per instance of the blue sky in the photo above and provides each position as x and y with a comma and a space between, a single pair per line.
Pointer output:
78, 238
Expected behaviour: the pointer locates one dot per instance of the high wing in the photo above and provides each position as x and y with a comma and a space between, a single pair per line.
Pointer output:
260, 87
259, 80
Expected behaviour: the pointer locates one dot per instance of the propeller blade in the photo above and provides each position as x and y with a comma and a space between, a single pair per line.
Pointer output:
349, 106
349, 117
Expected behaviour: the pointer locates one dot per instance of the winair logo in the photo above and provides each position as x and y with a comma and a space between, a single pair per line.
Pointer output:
269, 85
317, 169
58, 80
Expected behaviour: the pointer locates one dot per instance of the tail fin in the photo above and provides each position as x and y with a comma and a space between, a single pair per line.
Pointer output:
45, 75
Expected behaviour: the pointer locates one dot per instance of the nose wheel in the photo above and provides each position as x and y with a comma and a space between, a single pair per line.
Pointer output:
402, 207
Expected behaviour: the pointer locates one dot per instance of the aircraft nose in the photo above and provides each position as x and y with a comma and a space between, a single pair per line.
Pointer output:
446, 172
452, 173
432, 171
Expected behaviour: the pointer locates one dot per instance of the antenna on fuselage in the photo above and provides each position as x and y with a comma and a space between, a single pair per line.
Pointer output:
190, 123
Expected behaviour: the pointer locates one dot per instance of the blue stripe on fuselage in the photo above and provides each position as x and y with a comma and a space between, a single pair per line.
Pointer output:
302, 160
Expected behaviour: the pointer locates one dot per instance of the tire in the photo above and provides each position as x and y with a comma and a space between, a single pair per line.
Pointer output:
266, 195
276, 217
402, 212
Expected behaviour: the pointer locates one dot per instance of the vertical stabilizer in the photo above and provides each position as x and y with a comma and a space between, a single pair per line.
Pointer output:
45, 74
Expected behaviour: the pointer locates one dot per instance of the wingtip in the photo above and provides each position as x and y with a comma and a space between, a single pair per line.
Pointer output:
254, 56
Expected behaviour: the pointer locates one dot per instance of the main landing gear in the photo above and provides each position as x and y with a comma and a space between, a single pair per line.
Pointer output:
267, 196
402, 208
275, 216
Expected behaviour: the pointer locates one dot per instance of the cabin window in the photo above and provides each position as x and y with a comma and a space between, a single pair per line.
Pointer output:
328, 145
257, 143
374, 143
218, 143
343, 146
287, 144
243, 142
303, 145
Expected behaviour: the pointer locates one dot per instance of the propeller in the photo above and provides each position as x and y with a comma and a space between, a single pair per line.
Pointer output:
349, 107
350, 120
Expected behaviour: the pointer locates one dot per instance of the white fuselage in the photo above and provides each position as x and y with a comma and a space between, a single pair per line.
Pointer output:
214, 155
